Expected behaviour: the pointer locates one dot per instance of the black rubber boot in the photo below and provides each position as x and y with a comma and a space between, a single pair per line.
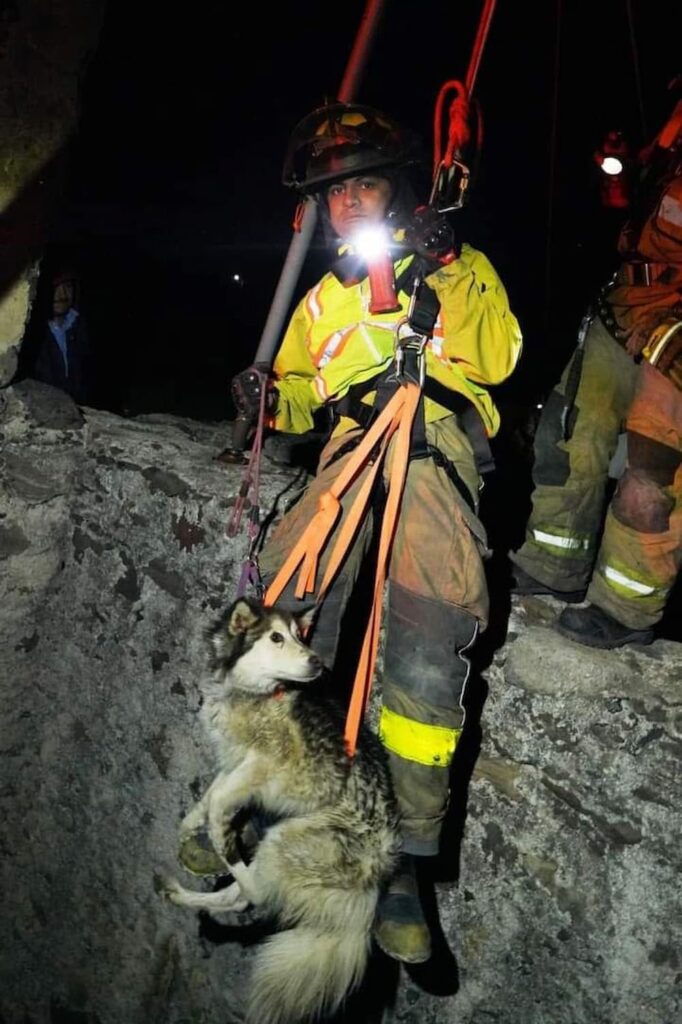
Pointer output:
400, 928
523, 583
594, 628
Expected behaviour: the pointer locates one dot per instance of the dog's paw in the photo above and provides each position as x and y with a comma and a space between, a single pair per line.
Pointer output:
198, 857
234, 899
168, 888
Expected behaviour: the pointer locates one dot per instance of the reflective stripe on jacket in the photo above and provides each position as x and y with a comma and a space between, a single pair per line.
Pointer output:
333, 342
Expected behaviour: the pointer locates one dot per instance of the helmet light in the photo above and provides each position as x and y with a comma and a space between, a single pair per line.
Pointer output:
612, 165
614, 161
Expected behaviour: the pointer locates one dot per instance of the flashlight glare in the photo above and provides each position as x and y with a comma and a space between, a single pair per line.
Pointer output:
612, 165
370, 243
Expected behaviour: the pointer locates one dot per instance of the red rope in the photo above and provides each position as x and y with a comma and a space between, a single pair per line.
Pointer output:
458, 129
459, 132
479, 43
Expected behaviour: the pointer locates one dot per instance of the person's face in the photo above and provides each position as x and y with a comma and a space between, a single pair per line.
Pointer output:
62, 298
357, 203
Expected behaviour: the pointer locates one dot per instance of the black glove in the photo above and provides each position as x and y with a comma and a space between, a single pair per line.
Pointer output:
431, 236
246, 392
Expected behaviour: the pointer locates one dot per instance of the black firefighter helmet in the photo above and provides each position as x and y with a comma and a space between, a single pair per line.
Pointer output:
342, 140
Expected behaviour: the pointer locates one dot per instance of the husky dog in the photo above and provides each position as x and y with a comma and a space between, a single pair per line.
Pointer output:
319, 869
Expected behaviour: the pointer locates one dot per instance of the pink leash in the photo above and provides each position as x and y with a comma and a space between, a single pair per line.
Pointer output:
250, 485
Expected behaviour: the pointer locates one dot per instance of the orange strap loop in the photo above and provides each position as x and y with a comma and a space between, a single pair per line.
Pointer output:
395, 419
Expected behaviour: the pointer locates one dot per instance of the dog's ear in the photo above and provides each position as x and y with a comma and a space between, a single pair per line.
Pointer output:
305, 619
219, 642
242, 616
224, 635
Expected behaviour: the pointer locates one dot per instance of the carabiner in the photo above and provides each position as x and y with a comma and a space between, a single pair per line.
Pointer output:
411, 344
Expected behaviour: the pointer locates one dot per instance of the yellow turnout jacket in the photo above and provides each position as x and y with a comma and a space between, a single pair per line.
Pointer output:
333, 342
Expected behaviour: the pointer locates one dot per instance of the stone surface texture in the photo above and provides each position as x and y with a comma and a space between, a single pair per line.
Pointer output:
561, 903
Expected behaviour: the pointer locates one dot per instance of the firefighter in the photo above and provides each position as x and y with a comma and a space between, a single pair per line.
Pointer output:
337, 353
626, 376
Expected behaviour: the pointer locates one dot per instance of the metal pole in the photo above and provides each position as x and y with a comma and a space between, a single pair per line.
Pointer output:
289, 275
300, 242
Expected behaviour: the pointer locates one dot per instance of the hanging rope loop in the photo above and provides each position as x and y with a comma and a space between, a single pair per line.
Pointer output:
459, 133
451, 164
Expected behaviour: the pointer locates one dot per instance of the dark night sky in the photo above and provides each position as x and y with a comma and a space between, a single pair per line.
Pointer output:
174, 176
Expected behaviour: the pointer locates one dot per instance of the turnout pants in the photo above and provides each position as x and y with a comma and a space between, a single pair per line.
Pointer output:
437, 598
627, 554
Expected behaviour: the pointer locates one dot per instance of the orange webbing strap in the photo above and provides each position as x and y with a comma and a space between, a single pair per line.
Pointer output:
362, 685
311, 543
396, 418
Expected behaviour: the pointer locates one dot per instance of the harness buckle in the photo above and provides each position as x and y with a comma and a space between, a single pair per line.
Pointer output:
410, 354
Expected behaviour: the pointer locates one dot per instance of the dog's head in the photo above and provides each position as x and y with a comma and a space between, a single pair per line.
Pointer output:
259, 649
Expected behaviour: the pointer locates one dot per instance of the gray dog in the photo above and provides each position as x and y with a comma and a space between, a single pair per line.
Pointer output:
321, 867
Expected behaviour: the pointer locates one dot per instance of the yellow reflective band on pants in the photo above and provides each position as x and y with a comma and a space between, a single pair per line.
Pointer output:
433, 745
624, 584
560, 543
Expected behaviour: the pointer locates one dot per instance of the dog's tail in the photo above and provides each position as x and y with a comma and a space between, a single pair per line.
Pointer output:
302, 973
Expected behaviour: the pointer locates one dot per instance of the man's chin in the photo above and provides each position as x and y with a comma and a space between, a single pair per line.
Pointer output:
352, 228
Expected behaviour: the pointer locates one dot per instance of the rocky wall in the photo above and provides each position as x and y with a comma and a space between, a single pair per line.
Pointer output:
561, 903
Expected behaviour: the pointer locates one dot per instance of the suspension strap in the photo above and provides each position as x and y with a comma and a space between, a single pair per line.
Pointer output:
396, 419
363, 677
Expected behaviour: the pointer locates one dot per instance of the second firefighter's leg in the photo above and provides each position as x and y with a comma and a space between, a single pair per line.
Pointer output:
641, 551
437, 596
570, 476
